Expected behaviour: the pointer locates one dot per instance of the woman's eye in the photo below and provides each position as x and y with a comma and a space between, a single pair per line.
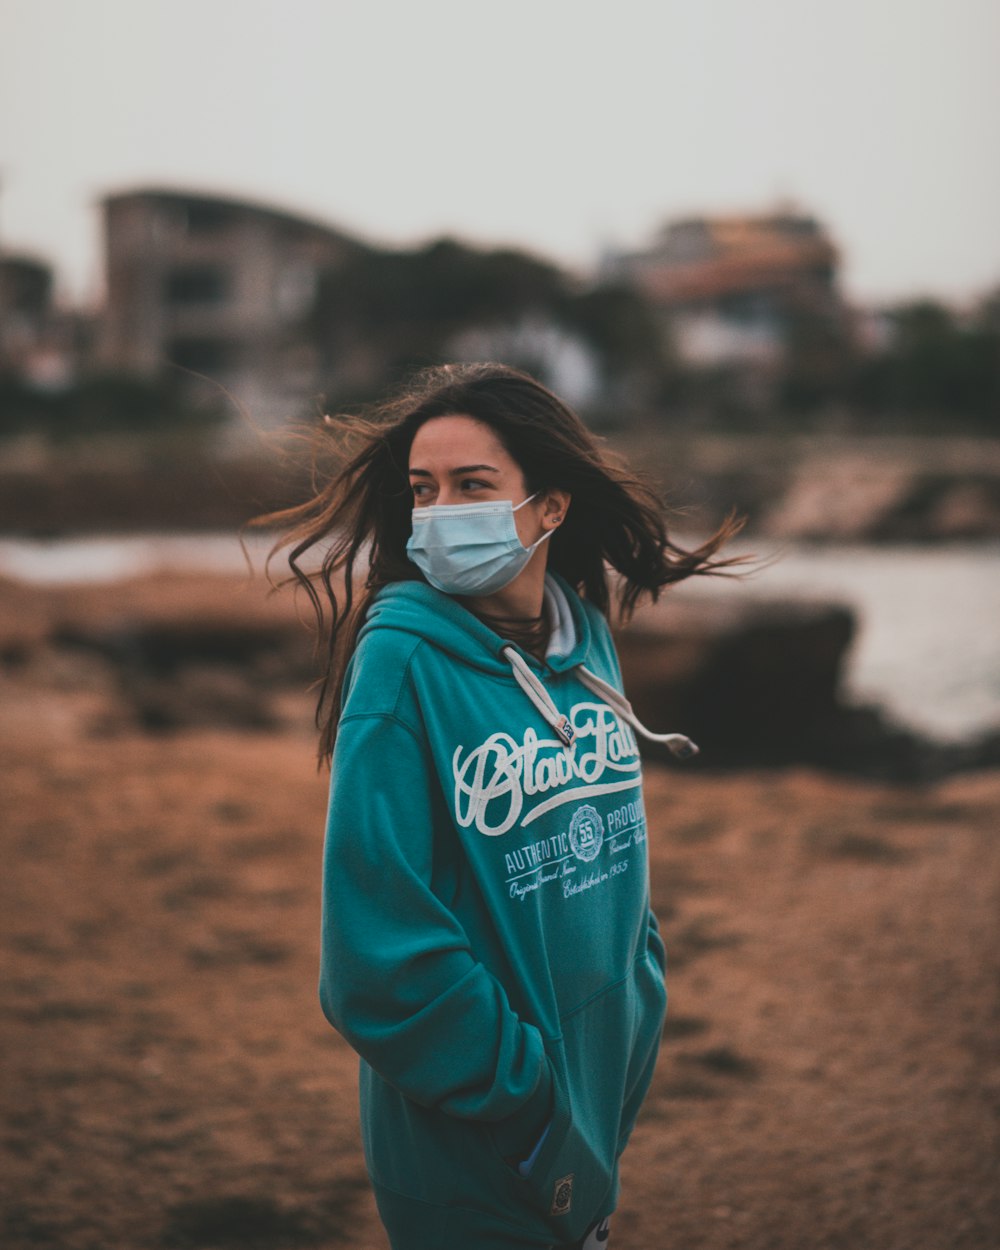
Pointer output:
472, 483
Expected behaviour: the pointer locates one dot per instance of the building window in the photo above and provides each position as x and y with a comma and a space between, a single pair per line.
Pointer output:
204, 217
202, 355
197, 284
295, 289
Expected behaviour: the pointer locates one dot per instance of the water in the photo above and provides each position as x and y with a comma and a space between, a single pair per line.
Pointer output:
109, 558
927, 650
928, 641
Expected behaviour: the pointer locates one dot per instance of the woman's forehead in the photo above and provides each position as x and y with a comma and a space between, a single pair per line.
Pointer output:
457, 440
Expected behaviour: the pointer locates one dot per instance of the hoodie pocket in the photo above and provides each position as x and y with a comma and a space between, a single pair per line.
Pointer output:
566, 1179
426, 1155
554, 1132
602, 1067
522, 1162
651, 994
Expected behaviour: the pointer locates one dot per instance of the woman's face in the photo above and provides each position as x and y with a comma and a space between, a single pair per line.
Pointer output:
457, 459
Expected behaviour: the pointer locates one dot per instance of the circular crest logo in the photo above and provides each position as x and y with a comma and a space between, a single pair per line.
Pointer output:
586, 833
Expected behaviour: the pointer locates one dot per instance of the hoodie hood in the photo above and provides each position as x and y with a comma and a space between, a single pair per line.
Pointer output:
418, 609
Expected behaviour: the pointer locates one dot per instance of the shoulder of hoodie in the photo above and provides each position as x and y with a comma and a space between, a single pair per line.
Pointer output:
378, 678
599, 626
377, 673
601, 638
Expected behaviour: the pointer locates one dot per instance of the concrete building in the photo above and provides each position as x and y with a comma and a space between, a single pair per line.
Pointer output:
213, 291
731, 287
40, 343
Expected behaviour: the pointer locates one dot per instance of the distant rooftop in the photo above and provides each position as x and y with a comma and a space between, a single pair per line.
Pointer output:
702, 258
208, 205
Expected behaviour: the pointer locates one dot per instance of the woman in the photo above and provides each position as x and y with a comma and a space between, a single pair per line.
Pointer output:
488, 945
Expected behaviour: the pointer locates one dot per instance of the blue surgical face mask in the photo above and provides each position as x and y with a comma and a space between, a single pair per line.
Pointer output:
469, 548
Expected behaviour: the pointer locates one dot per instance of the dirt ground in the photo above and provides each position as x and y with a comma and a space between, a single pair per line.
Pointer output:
830, 1072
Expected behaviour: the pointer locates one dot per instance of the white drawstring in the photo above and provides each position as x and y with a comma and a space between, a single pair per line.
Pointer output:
679, 744
539, 696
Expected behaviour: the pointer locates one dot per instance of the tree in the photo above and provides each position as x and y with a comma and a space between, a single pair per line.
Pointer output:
936, 365
381, 314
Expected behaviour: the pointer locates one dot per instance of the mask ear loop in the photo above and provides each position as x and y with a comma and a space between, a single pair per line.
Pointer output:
538, 541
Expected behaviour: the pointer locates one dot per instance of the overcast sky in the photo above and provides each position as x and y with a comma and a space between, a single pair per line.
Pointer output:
553, 125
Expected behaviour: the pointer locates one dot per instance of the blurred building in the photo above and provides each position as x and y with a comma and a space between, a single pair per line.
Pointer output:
213, 292
732, 289
537, 343
40, 343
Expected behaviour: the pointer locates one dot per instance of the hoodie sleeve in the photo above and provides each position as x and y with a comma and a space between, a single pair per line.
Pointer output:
397, 975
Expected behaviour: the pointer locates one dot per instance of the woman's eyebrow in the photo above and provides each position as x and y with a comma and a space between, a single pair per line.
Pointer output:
466, 468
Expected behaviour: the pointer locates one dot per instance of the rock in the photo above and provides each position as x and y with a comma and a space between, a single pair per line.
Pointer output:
746, 680
966, 510
854, 500
759, 682
199, 696
839, 500
184, 673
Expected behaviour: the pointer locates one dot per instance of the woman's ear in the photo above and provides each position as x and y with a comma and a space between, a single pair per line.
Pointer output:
556, 506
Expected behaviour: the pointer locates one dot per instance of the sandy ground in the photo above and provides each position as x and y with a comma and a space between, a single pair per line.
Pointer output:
829, 1076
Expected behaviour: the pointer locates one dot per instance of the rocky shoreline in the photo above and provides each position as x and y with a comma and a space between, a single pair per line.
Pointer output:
759, 683
816, 487
820, 488
756, 683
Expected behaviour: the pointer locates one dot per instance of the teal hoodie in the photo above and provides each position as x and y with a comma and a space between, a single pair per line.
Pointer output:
488, 946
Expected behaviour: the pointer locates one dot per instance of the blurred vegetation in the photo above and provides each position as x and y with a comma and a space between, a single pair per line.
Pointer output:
388, 313
113, 403
936, 369
936, 372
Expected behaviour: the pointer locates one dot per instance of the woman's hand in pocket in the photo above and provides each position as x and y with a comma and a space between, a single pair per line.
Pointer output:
523, 1166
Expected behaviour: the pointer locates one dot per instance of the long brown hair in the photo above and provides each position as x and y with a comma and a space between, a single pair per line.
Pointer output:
360, 516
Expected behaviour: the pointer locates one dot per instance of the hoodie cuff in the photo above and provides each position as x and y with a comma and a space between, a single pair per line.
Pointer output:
517, 1134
